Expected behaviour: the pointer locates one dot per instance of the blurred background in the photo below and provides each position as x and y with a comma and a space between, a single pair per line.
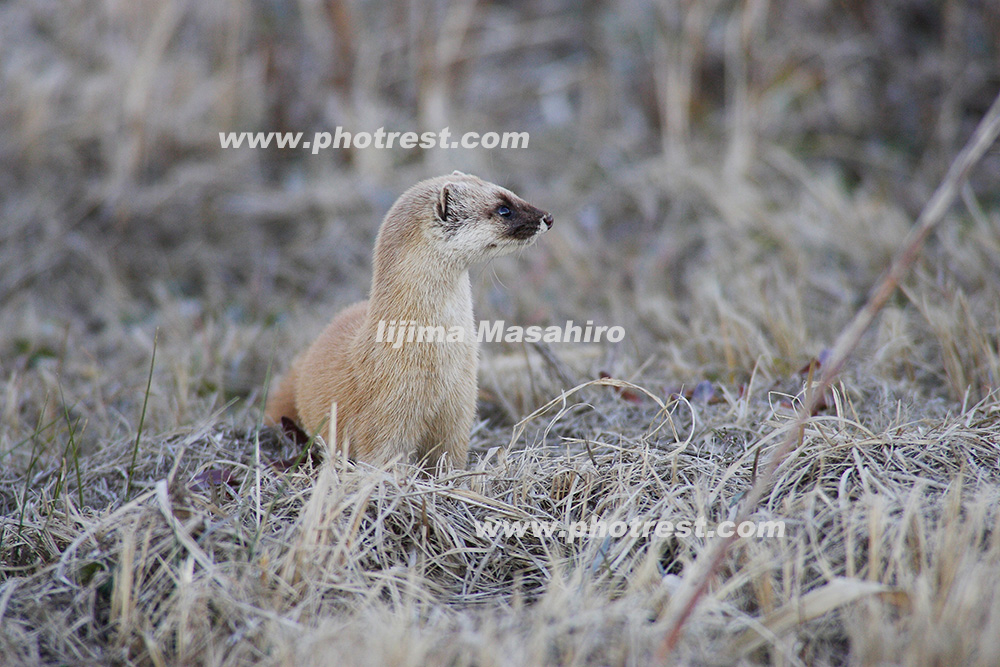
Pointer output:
728, 180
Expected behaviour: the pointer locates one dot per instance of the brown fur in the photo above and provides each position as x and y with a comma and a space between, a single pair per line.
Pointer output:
420, 398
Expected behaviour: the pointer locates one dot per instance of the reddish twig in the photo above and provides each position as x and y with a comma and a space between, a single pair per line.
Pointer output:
695, 584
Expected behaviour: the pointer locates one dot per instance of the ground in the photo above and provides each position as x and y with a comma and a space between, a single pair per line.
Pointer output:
729, 181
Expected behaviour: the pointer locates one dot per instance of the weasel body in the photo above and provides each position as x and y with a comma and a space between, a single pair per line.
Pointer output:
415, 398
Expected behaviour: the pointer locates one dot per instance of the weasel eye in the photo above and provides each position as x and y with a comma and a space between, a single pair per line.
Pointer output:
503, 212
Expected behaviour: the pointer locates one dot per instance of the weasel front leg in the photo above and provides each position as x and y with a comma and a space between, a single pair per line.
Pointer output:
447, 443
453, 452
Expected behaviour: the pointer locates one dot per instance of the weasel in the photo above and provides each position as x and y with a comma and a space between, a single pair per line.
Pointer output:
415, 399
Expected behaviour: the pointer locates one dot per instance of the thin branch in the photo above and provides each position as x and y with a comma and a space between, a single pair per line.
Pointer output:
695, 584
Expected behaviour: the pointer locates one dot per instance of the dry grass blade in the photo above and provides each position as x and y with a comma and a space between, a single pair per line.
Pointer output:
142, 419
829, 597
696, 580
182, 536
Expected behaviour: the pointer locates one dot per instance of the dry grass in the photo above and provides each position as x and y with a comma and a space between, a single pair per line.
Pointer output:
729, 181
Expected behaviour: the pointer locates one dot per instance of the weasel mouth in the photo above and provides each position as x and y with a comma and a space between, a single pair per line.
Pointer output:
528, 230
524, 232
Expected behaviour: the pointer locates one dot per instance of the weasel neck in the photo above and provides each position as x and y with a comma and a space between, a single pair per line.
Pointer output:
422, 292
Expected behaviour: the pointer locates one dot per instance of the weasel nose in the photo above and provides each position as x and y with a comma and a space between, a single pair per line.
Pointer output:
547, 221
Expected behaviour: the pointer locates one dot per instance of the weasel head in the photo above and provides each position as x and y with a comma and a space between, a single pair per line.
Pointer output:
473, 220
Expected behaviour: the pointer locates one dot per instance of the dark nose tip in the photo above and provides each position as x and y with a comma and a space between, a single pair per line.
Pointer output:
547, 220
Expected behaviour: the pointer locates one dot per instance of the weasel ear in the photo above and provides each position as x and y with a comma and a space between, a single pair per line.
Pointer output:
458, 173
442, 203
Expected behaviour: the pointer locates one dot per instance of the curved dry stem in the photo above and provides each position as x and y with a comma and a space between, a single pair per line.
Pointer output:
694, 585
